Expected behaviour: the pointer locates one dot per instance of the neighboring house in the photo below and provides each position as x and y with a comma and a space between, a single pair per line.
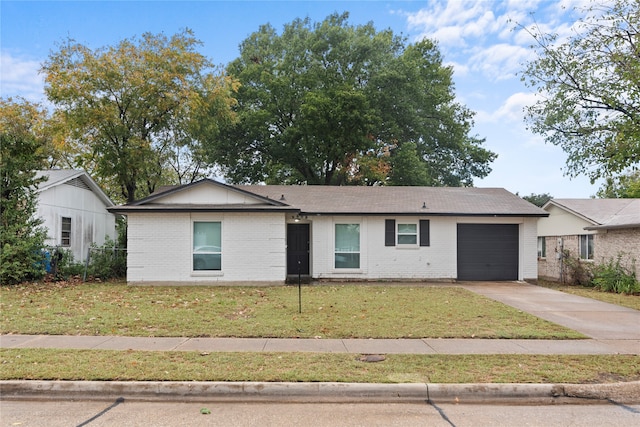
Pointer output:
208, 232
74, 211
592, 230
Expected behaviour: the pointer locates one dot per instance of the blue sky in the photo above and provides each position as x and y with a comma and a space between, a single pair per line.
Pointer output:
479, 39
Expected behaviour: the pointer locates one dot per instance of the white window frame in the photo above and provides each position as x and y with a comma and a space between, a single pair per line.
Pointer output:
542, 247
336, 252
415, 234
590, 249
206, 272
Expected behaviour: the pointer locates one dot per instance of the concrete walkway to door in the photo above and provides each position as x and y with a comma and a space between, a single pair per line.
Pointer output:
596, 319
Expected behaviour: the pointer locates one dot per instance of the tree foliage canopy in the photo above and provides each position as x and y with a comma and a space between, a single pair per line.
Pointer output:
589, 89
538, 199
625, 186
332, 103
23, 151
135, 110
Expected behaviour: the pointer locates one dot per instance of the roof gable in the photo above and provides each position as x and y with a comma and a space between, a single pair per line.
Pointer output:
601, 213
204, 195
76, 178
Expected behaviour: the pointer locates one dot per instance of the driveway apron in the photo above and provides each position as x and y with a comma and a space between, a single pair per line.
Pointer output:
596, 319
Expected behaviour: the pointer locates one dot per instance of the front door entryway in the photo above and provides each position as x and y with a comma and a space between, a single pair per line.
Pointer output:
298, 249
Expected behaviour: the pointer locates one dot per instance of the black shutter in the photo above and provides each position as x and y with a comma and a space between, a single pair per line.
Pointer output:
389, 232
424, 232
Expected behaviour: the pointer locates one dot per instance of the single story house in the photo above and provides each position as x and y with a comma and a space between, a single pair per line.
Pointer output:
592, 230
208, 232
74, 211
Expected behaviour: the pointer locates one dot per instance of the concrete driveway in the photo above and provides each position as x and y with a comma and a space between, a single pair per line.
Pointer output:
596, 319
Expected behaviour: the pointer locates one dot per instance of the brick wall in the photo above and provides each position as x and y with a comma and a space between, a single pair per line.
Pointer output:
608, 244
437, 261
624, 242
160, 248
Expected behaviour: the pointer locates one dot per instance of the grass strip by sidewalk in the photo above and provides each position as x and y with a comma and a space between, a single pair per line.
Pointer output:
328, 311
107, 365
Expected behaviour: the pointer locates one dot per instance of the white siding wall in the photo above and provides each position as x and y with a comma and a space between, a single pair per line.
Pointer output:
90, 221
437, 261
160, 245
562, 223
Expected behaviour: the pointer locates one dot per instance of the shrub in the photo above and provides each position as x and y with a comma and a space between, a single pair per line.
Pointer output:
577, 272
614, 277
107, 261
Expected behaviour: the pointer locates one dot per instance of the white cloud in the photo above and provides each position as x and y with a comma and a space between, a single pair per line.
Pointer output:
19, 77
511, 110
500, 61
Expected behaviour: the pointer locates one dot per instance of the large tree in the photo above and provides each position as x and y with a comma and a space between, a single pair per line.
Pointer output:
332, 103
132, 110
625, 186
23, 150
589, 90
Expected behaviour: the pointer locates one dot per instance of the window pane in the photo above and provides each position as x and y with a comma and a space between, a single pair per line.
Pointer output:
542, 247
347, 250
207, 261
347, 237
65, 237
408, 228
206, 234
586, 246
347, 260
407, 239
207, 246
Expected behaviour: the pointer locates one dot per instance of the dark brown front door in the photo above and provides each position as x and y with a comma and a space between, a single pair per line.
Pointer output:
298, 249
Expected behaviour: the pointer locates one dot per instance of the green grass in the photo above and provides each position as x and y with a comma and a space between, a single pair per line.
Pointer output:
49, 364
631, 301
340, 311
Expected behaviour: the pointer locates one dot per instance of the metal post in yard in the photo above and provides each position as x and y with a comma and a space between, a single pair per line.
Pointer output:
299, 289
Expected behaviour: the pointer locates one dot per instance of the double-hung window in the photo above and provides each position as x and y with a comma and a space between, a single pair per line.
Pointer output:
65, 234
207, 246
407, 234
586, 246
542, 247
347, 246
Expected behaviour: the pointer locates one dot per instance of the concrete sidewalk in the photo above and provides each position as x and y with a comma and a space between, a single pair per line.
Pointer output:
355, 346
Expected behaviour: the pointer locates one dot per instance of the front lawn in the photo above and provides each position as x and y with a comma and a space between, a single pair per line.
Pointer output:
328, 311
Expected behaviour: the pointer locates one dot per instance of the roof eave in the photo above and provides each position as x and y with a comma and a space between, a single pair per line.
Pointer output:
125, 209
425, 213
612, 227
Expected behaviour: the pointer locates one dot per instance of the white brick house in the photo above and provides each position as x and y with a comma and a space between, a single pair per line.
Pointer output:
208, 232
592, 230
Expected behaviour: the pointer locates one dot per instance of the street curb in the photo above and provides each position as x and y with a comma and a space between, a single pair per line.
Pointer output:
326, 392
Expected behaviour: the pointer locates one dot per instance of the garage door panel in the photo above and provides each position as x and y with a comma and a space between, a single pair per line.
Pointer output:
488, 251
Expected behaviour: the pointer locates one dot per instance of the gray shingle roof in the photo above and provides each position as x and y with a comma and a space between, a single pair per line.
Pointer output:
398, 200
351, 200
603, 213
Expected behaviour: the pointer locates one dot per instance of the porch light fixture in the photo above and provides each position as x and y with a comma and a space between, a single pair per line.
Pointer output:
299, 217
